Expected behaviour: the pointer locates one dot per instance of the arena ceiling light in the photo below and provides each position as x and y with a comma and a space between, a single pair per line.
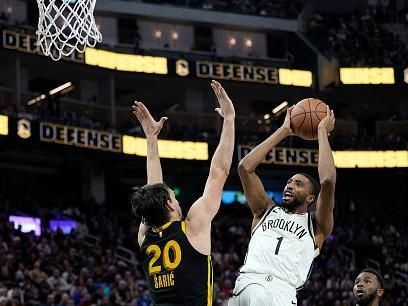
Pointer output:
232, 41
64, 88
158, 34
280, 107
35, 100
175, 35
248, 43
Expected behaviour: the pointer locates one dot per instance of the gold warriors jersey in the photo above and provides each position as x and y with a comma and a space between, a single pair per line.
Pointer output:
176, 273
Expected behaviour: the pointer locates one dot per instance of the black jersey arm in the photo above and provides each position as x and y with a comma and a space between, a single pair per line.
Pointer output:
151, 129
202, 212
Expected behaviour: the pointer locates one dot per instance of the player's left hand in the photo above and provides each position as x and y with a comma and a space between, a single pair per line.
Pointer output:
226, 109
150, 126
327, 122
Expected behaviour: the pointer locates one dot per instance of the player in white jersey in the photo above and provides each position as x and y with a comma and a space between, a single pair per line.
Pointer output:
285, 239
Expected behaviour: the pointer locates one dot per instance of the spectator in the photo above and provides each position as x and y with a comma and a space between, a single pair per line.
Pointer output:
359, 38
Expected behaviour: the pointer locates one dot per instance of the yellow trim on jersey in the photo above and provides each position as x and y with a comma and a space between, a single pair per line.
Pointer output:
161, 228
183, 227
210, 283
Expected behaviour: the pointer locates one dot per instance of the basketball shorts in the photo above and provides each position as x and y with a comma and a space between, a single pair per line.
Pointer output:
262, 290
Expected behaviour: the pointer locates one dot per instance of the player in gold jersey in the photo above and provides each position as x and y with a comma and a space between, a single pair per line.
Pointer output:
175, 252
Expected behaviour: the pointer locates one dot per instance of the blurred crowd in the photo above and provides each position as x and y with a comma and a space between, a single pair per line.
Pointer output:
359, 38
61, 270
288, 9
335, 269
272, 8
64, 270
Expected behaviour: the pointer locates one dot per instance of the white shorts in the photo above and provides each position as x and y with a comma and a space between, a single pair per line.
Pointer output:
262, 290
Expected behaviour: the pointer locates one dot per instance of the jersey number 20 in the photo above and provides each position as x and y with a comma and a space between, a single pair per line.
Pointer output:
168, 263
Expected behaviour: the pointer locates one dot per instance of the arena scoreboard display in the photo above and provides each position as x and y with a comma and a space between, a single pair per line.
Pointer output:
244, 73
126, 62
367, 75
3, 125
26, 131
29, 132
18, 40
342, 159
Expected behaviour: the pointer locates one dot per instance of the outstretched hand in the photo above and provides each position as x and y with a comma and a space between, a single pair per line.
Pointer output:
327, 122
150, 126
226, 109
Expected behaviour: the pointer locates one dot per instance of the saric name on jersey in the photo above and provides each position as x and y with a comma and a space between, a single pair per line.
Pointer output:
163, 280
288, 226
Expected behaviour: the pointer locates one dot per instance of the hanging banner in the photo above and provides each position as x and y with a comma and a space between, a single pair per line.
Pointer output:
342, 159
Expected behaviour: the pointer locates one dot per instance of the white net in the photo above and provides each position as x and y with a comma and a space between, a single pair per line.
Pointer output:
66, 26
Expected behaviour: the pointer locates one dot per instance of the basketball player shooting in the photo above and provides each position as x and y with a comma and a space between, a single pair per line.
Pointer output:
285, 239
175, 253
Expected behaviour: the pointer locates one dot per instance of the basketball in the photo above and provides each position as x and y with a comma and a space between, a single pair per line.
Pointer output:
306, 116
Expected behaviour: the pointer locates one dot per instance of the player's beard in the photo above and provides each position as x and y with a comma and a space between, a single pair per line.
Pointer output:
293, 204
365, 300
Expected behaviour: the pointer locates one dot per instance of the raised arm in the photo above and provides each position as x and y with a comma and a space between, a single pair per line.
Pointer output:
206, 207
327, 176
151, 129
255, 194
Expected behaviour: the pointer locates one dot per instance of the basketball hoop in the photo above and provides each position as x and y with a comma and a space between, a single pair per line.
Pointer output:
66, 26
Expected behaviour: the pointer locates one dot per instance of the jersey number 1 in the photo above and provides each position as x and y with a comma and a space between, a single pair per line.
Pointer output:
278, 246
168, 264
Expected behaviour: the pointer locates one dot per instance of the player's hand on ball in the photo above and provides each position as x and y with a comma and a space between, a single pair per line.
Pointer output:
226, 109
286, 124
150, 126
327, 122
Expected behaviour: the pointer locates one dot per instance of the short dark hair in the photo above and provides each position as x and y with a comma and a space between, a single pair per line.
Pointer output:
314, 184
149, 203
376, 273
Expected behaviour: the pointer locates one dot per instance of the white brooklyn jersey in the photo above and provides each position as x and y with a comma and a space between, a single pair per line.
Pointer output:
282, 245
